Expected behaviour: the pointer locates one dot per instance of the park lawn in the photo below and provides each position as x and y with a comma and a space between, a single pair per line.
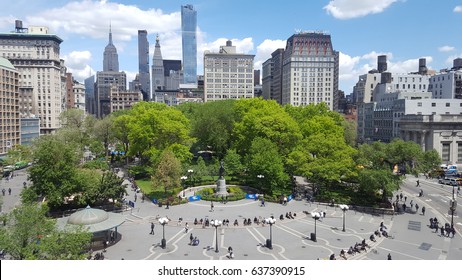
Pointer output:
157, 192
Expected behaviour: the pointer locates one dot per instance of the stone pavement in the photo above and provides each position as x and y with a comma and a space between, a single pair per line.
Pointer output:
411, 239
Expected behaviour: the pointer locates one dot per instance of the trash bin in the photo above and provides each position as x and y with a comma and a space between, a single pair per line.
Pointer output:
313, 236
159, 203
268, 244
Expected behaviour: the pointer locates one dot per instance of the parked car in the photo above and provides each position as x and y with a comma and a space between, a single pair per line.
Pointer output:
444, 181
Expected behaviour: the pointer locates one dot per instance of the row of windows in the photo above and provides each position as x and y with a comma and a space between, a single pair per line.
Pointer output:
419, 104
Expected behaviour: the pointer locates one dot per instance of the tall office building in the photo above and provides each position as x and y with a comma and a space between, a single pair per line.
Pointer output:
9, 107
110, 57
110, 76
143, 64
157, 69
227, 74
310, 70
90, 97
35, 55
189, 43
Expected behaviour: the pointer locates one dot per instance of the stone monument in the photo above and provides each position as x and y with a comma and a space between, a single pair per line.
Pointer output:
221, 182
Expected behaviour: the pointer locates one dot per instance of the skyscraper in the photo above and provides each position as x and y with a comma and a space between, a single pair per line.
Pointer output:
157, 69
111, 59
109, 77
310, 70
189, 43
143, 64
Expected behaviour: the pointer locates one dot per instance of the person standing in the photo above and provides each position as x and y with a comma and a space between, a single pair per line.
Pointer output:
211, 206
389, 257
152, 228
191, 238
9, 191
416, 208
423, 210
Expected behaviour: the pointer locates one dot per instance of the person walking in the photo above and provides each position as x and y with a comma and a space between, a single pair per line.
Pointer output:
152, 228
3, 191
191, 238
186, 227
416, 208
230, 251
136, 197
423, 210
9, 191
211, 206
389, 257
418, 183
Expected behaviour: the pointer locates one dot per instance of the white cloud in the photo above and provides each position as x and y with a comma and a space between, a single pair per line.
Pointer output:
265, 49
91, 18
347, 9
457, 9
77, 63
446, 49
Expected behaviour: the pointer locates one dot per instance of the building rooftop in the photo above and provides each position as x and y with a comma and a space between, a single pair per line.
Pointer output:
6, 63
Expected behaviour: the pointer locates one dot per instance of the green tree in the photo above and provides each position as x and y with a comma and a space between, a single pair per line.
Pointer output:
168, 171
233, 162
264, 159
154, 127
54, 169
212, 125
265, 119
377, 181
104, 132
99, 188
431, 160
29, 234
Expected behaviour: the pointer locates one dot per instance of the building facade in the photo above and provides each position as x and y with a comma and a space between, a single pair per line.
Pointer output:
227, 74
35, 54
78, 90
158, 82
143, 64
30, 130
123, 100
90, 96
189, 43
309, 70
110, 56
10, 126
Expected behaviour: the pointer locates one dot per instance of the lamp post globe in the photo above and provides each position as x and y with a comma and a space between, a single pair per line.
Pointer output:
315, 216
344, 208
269, 242
163, 221
216, 224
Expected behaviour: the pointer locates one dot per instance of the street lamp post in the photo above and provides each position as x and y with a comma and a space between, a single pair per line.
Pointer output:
344, 209
183, 179
315, 216
190, 172
216, 224
163, 221
269, 242
260, 179
453, 206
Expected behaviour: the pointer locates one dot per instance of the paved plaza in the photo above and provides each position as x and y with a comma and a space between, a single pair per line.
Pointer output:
410, 236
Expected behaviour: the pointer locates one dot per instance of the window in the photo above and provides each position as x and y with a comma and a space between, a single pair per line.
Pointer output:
445, 151
419, 104
434, 104
448, 104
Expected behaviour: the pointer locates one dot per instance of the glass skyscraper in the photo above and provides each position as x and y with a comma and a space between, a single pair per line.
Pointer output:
143, 64
189, 43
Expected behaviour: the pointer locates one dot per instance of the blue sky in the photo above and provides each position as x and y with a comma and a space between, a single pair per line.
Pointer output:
404, 30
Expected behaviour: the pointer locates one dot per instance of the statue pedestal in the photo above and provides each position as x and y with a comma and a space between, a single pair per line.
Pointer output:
221, 187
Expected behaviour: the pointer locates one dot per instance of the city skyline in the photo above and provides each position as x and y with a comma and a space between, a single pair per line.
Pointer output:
403, 30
